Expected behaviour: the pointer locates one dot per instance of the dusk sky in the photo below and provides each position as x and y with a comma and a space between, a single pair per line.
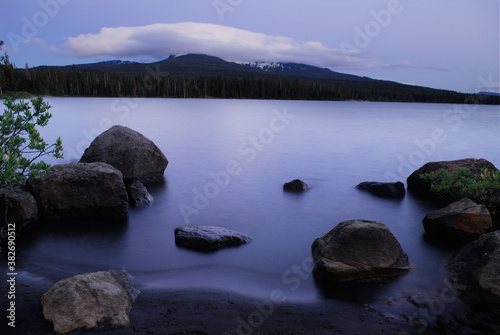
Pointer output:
447, 44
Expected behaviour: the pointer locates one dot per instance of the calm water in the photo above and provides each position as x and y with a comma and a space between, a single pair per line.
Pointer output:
238, 154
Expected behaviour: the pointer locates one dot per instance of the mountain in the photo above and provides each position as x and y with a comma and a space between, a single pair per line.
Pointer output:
489, 93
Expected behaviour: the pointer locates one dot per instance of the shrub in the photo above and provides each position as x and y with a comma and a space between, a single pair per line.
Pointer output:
20, 142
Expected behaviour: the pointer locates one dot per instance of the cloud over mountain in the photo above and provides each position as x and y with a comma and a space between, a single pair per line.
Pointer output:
163, 39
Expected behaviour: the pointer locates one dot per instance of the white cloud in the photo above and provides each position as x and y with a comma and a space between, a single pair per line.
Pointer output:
163, 39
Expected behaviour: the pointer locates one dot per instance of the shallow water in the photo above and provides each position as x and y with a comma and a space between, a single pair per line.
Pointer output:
228, 160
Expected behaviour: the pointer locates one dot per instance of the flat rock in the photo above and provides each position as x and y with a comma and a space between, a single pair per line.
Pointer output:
296, 185
80, 191
460, 221
358, 250
90, 299
474, 272
136, 156
209, 237
389, 190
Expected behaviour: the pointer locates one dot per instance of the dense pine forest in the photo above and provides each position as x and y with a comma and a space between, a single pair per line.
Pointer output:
153, 81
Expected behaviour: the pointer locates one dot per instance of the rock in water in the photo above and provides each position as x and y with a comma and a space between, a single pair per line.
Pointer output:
460, 221
358, 250
86, 300
137, 157
209, 237
80, 191
138, 194
19, 208
474, 272
422, 187
389, 190
296, 185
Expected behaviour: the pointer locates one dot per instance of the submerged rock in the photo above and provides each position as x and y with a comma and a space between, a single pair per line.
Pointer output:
358, 250
209, 237
80, 191
296, 185
474, 272
86, 300
460, 221
390, 190
137, 157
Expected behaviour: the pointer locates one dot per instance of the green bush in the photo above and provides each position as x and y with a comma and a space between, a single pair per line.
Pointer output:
20, 142
483, 188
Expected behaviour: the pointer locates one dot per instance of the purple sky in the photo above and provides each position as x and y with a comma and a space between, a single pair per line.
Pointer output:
448, 44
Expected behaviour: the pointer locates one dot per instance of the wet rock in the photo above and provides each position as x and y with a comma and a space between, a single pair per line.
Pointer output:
389, 190
138, 194
460, 221
79, 192
474, 272
422, 187
358, 250
296, 185
137, 157
209, 237
90, 299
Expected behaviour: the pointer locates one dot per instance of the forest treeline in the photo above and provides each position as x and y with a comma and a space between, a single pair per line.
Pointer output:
75, 82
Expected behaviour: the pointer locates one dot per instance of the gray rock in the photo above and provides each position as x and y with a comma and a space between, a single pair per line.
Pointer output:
79, 192
296, 185
474, 272
209, 237
137, 157
138, 194
460, 221
358, 250
90, 299
390, 190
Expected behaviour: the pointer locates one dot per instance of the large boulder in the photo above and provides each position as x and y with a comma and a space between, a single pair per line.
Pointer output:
422, 187
358, 250
79, 192
388, 190
209, 237
137, 157
474, 272
86, 300
296, 185
460, 221
17, 207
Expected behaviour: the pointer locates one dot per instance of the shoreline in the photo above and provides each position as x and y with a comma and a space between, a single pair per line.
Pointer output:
210, 311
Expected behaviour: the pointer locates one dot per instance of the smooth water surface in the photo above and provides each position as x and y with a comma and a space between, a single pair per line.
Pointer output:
228, 160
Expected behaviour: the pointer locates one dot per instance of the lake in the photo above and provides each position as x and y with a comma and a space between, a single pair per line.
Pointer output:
228, 160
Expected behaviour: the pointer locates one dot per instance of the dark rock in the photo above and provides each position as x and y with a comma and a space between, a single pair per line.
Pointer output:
80, 191
295, 186
138, 194
17, 206
358, 250
137, 157
461, 221
390, 190
422, 187
90, 299
209, 237
474, 272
